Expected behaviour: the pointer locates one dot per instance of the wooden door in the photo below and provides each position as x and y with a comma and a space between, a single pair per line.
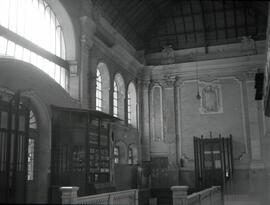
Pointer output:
14, 126
212, 162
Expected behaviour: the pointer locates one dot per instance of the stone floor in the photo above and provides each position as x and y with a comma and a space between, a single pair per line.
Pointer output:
255, 190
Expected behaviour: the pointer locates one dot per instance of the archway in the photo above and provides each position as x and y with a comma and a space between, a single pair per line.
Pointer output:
23, 140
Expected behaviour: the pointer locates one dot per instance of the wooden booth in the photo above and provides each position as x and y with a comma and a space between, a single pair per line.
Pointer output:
81, 150
213, 161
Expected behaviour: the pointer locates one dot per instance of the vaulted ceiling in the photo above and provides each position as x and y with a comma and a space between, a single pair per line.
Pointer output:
152, 24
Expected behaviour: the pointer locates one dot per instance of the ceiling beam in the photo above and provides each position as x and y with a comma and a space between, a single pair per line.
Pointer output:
209, 12
204, 24
174, 23
152, 8
198, 31
215, 18
193, 21
225, 19
235, 19
245, 17
183, 19
123, 15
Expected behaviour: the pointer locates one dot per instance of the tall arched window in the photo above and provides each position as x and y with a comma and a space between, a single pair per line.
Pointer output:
115, 99
132, 111
98, 92
118, 96
30, 31
102, 88
31, 145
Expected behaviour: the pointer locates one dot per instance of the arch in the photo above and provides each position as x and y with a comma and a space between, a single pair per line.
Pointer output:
34, 21
67, 26
102, 87
123, 154
132, 104
119, 96
41, 150
132, 154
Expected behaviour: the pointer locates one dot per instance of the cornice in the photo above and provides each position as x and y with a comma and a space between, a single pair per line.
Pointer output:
206, 69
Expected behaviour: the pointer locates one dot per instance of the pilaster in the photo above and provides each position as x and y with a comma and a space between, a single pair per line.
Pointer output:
177, 107
144, 119
88, 29
242, 78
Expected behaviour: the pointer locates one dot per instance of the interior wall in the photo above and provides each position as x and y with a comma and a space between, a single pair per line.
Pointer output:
184, 116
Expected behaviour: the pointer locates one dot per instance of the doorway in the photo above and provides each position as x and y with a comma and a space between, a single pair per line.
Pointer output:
14, 139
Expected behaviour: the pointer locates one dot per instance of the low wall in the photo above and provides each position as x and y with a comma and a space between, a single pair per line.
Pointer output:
211, 196
69, 196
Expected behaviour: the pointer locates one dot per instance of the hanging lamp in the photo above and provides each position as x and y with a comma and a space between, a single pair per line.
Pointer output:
198, 96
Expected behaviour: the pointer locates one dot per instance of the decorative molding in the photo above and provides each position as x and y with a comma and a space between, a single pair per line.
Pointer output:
167, 55
168, 81
73, 68
86, 43
154, 83
178, 82
211, 98
245, 76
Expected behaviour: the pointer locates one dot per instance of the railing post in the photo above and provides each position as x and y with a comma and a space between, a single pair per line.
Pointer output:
69, 194
179, 195
136, 197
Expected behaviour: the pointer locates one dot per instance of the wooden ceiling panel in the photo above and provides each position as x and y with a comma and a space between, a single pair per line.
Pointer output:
150, 24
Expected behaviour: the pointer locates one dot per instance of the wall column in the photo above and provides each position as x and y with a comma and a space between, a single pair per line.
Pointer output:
86, 74
144, 120
178, 82
245, 113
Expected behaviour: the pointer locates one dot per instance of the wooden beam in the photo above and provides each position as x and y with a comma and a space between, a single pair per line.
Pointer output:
126, 19
175, 27
152, 8
256, 23
235, 19
225, 20
209, 12
10, 35
184, 23
245, 13
193, 21
215, 18
190, 32
204, 24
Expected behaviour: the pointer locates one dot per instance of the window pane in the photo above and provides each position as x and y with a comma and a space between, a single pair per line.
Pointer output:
31, 20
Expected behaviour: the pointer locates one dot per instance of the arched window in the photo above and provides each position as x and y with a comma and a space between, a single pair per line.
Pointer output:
98, 92
102, 88
130, 155
30, 31
132, 111
31, 145
115, 99
118, 96
120, 153
116, 154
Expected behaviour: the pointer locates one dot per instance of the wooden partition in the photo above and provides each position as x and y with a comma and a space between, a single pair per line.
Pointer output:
81, 150
213, 161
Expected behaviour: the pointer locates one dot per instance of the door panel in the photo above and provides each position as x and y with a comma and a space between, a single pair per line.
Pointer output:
14, 123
